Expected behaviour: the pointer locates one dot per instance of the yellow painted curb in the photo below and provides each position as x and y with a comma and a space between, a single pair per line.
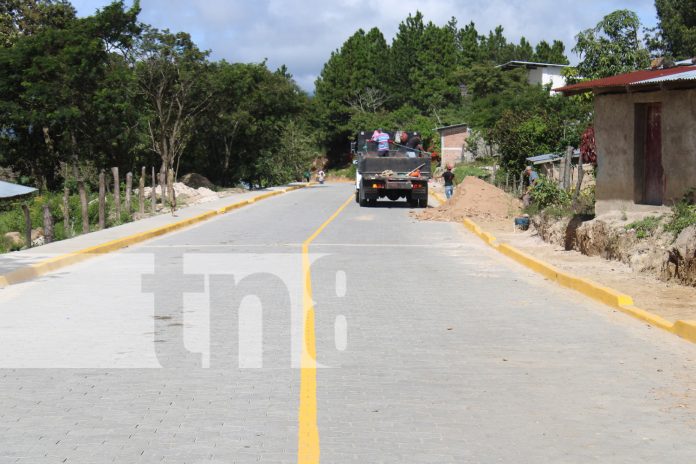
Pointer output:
606, 295
58, 262
685, 329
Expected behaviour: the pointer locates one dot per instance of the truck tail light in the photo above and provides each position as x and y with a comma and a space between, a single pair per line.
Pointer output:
376, 186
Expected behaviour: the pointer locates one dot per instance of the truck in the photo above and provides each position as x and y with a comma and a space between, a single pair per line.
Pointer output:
404, 173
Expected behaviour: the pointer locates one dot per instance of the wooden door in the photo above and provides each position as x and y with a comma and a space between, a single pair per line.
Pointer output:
653, 180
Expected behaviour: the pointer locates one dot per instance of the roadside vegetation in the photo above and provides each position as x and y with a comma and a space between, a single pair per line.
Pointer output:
93, 93
646, 227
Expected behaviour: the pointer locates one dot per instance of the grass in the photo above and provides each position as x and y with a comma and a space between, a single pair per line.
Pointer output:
12, 216
347, 172
465, 170
645, 227
684, 215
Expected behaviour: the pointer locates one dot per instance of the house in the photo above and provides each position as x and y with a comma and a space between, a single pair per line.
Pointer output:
645, 132
453, 143
540, 73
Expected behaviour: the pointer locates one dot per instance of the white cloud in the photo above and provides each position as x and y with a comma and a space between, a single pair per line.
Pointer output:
302, 33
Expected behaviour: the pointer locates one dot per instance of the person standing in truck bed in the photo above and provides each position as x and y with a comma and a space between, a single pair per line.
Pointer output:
382, 139
414, 146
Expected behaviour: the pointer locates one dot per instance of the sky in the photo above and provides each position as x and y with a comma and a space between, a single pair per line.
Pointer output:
302, 33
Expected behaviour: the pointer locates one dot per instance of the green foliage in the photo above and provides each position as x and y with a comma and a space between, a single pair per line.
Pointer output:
645, 227
254, 128
427, 68
347, 172
612, 47
464, 170
683, 216
677, 28
63, 93
20, 18
546, 193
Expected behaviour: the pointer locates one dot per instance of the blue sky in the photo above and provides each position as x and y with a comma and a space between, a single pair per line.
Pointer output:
302, 33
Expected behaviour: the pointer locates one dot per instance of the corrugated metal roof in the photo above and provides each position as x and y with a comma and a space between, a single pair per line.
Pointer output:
531, 64
622, 80
450, 127
8, 190
685, 76
539, 159
550, 157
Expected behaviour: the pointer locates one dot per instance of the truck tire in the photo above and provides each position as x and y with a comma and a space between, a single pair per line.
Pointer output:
357, 196
423, 203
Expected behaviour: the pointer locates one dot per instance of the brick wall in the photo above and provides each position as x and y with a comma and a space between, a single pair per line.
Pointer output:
452, 142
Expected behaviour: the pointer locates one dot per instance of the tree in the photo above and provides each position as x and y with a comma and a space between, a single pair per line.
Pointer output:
677, 27
240, 135
611, 47
20, 18
524, 51
468, 43
554, 54
59, 92
432, 84
403, 53
358, 68
171, 77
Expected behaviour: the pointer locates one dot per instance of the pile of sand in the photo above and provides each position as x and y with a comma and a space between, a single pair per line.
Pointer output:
184, 192
474, 198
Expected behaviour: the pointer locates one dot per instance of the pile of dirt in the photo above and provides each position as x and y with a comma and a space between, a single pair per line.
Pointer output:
195, 181
477, 199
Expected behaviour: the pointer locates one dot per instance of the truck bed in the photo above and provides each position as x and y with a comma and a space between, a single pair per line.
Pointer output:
372, 166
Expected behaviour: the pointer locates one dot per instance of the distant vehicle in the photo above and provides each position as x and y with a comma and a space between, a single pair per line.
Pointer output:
402, 174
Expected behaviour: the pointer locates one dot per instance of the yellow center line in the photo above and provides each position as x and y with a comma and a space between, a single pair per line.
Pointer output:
308, 431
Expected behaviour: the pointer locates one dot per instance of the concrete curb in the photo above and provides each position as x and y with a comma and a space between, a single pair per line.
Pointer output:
608, 296
33, 271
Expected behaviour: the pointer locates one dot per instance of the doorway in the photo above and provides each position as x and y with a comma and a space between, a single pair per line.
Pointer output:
649, 174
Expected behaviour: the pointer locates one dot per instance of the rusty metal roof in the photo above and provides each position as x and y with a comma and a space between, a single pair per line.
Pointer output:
627, 80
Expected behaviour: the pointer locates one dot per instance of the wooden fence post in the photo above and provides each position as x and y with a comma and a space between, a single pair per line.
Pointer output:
84, 206
153, 195
163, 187
141, 192
129, 190
102, 200
117, 194
66, 211
567, 168
48, 224
578, 187
27, 225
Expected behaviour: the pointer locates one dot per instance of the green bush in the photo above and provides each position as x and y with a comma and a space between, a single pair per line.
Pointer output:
645, 227
546, 193
683, 216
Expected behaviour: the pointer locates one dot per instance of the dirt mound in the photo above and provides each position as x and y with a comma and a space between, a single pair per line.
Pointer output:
195, 181
474, 198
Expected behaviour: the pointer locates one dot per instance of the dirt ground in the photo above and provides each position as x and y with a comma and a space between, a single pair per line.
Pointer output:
669, 300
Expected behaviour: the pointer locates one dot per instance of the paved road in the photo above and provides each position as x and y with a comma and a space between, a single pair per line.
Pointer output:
433, 349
